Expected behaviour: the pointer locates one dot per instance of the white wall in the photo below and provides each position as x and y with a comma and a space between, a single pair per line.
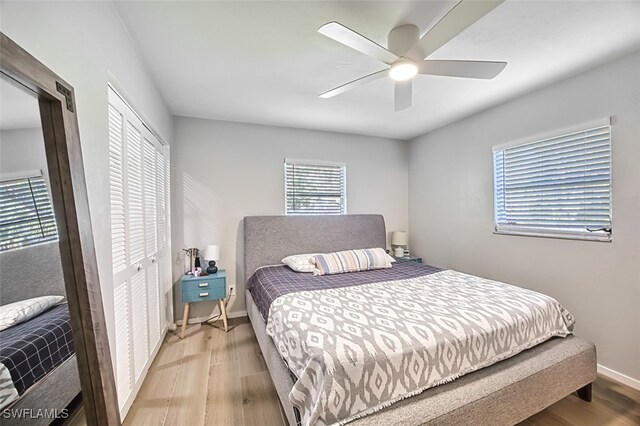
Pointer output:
223, 171
86, 44
451, 207
22, 150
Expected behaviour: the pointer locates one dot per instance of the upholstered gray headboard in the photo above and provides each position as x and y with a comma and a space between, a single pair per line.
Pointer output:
267, 239
31, 272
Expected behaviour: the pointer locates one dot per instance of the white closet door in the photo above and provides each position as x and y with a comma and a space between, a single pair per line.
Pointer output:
162, 202
135, 194
123, 348
116, 191
164, 233
153, 295
139, 320
150, 197
139, 183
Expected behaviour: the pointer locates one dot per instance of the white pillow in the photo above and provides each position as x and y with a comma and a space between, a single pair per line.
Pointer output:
17, 312
301, 262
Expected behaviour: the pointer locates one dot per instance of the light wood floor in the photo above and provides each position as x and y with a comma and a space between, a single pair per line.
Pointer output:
216, 378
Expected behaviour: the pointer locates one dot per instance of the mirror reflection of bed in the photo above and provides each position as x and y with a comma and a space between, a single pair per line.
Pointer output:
38, 369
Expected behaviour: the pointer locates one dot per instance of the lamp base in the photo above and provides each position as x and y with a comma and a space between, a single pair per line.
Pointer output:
398, 252
212, 269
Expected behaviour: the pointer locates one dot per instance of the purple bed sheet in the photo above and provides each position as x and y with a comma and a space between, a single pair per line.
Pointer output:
270, 282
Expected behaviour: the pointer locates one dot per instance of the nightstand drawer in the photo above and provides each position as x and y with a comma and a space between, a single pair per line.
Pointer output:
204, 294
203, 284
209, 287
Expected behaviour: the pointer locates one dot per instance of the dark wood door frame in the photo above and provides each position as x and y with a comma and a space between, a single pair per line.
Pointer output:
77, 251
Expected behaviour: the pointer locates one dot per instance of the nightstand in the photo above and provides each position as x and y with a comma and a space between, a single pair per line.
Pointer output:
207, 288
409, 259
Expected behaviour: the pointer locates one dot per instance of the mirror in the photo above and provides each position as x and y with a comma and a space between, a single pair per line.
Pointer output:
54, 354
38, 367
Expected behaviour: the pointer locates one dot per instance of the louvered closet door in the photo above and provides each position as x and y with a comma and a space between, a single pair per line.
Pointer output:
120, 254
152, 192
139, 225
164, 232
123, 359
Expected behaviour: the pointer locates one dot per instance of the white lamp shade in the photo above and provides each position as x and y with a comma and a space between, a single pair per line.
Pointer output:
212, 253
399, 238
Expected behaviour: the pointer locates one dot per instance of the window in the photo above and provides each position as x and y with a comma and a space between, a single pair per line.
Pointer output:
315, 187
26, 213
558, 187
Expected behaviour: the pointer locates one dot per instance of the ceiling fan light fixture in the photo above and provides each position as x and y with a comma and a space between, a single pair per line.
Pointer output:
403, 70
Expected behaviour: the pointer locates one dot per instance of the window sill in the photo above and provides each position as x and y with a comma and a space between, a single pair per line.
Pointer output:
580, 237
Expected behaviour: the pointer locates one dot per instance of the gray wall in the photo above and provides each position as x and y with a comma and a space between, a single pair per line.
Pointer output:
451, 207
223, 171
22, 150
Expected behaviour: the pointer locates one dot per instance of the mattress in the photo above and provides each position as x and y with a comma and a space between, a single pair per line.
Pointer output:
357, 343
33, 348
546, 373
270, 282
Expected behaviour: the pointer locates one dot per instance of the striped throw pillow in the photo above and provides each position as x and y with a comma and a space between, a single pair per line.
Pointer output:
351, 261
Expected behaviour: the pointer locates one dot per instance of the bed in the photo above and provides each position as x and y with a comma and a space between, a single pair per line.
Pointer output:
504, 392
39, 353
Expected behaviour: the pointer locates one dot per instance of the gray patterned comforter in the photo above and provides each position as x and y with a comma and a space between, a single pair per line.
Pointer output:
358, 349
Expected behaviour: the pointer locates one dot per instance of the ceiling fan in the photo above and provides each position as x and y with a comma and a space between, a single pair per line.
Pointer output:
406, 53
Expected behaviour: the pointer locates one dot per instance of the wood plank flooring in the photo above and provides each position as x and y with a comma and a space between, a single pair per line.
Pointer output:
216, 378
209, 377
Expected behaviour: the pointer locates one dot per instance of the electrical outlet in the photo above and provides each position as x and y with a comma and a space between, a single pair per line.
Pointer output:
232, 290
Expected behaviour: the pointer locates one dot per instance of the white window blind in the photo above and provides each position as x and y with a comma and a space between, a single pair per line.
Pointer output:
318, 188
26, 213
560, 186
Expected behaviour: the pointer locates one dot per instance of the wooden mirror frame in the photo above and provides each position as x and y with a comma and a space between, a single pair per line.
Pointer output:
71, 206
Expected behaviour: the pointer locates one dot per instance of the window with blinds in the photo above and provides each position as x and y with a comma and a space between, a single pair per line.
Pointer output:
26, 213
557, 187
315, 188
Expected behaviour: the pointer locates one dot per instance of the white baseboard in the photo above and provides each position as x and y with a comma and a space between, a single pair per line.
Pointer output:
619, 377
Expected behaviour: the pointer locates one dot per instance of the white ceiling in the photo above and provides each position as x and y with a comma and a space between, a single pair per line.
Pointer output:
263, 62
18, 109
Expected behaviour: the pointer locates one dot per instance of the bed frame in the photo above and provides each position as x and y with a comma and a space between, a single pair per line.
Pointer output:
60, 386
502, 394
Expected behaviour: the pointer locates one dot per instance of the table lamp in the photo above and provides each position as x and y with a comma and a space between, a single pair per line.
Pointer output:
212, 253
398, 239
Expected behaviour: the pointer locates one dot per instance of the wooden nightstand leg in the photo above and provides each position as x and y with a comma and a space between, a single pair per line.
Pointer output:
223, 311
185, 319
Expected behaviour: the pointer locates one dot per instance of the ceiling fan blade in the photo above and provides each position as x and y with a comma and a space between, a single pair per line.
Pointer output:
403, 91
356, 41
467, 69
463, 15
355, 83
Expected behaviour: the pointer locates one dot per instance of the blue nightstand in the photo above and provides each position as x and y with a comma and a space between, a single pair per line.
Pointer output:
409, 259
198, 289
